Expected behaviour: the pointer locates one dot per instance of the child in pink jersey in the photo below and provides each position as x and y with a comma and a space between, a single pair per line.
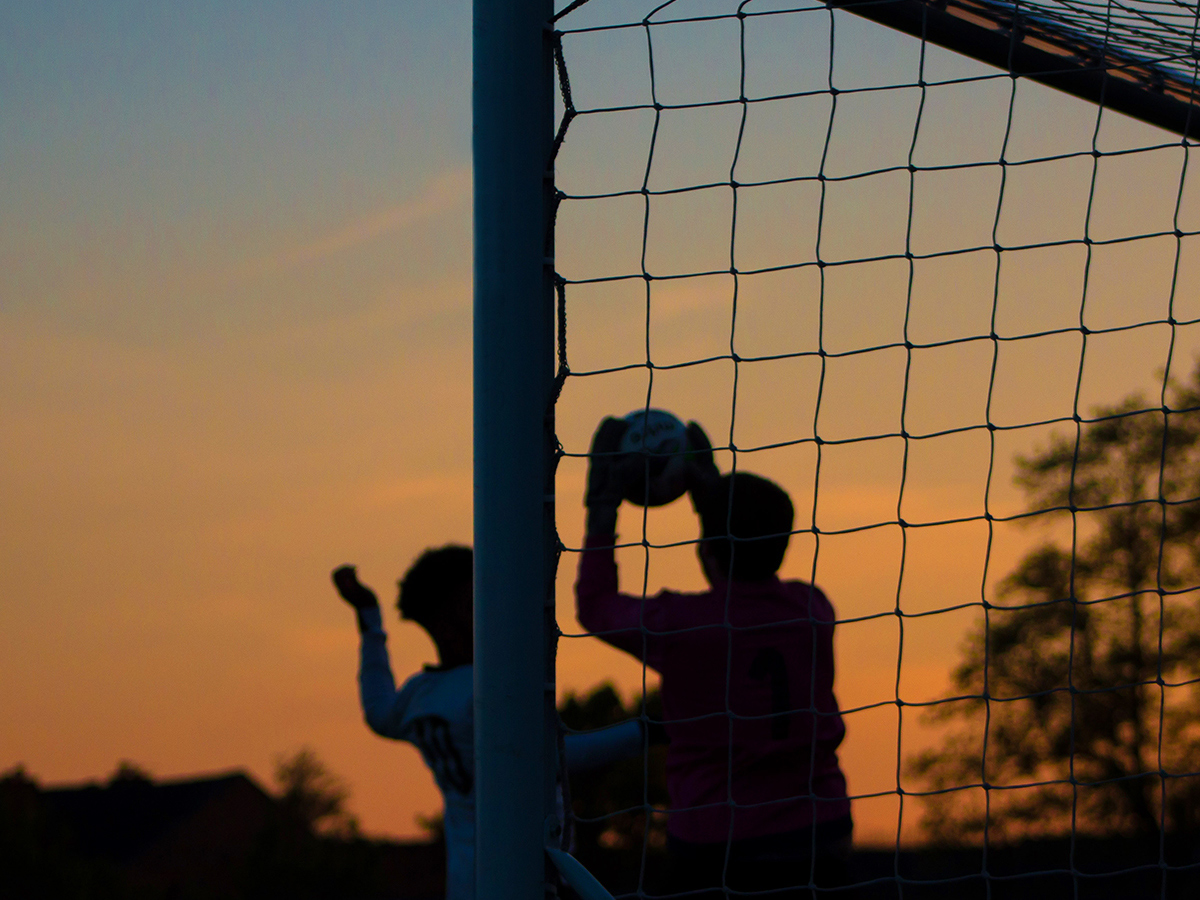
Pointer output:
758, 801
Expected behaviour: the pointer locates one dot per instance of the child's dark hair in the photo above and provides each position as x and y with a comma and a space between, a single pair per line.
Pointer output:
436, 573
760, 521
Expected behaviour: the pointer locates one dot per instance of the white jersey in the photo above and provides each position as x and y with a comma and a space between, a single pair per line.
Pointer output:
433, 710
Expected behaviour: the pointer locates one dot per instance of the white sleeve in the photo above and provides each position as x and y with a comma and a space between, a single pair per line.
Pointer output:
383, 706
593, 749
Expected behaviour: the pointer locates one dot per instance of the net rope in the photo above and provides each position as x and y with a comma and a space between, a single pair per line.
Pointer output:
1159, 34
1159, 30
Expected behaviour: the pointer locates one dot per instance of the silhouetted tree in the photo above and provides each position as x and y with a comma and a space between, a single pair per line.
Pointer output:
130, 772
1084, 709
313, 794
433, 826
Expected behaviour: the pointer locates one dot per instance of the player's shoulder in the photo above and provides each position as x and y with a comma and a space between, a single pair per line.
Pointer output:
808, 594
440, 675
669, 609
673, 600
443, 692
799, 584
436, 678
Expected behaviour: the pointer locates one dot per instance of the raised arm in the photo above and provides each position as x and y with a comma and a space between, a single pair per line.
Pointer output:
614, 617
607, 473
383, 707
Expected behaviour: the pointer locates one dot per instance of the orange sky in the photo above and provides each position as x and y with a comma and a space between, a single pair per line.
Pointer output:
235, 352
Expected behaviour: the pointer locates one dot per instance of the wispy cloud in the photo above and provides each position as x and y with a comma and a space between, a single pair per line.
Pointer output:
443, 193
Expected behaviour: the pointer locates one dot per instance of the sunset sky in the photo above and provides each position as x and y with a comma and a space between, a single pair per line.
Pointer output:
235, 352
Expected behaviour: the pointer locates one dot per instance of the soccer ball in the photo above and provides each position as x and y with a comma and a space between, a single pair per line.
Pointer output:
661, 441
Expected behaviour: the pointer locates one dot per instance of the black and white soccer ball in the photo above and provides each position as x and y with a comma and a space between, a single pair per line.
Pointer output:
659, 441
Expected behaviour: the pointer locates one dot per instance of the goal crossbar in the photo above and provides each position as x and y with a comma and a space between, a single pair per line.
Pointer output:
1025, 41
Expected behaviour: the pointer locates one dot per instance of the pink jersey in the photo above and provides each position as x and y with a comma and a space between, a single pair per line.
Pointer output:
747, 693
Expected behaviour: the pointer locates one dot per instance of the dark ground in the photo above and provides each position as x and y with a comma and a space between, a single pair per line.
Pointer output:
1054, 870
224, 838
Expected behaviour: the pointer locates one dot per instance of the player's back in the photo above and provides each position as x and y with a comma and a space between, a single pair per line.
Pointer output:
748, 689
437, 714
435, 711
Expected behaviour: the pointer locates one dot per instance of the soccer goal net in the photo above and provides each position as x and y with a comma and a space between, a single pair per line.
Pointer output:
933, 268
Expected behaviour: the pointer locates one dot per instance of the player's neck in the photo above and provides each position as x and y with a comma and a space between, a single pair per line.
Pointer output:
455, 651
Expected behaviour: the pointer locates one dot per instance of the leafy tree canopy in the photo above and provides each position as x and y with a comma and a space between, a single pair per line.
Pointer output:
1080, 703
314, 795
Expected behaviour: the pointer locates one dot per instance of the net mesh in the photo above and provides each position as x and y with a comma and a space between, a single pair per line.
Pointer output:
1160, 33
956, 315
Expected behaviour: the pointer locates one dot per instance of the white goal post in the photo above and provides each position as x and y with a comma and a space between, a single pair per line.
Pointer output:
515, 549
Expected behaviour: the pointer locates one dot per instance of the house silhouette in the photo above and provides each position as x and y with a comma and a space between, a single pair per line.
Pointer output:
211, 836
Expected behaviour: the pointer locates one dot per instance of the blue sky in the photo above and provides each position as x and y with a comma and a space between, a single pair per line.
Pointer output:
200, 138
